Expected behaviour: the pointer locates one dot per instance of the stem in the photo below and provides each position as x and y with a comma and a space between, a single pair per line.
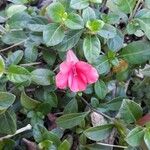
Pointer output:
111, 145
30, 64
14, 45
93, 109
26, 128
102, 8
135, 9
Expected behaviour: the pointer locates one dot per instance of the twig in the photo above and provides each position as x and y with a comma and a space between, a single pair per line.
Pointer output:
102, 8
26, 128
111, 145
14, 45
135, 9
30, 64
93, 109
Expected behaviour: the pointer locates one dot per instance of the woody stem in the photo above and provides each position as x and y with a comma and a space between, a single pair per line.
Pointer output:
95, 110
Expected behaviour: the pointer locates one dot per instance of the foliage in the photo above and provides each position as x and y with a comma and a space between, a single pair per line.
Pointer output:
112, 36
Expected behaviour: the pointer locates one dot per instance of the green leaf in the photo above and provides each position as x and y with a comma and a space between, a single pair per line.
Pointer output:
16, 21
70, 40
147, 138
80, 4
125, 5
40, 134
71, 107
102, 64
71, 120
51, 98
42, 76
53, 34
31, 53
136, 52
8, 122
130, 111
15, 57
56, 12
147, 4
135, 136
6, 100
100, 89
19, 1
91, 48
95, 25
108, 31
14, 37
46, 145
14, 9
146, 71
28, 102
116, 43
2, 66
98, 133
74, 22
65, 145
96, 1
88, 14
18, 74
142, 18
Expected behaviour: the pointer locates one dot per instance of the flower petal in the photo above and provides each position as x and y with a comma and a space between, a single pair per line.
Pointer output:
71, 57
61, 80
65, 67
88, 70
75, 83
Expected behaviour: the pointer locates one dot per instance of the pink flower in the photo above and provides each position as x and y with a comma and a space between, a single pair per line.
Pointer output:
75, 74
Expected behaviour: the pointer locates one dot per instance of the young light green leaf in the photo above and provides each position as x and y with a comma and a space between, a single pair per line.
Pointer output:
53, 34
71, 120
91, 48
56, 12
100, 89
42, 76
80, 4
65, 145
14, 9
98, 133
28, 102
18, 74
130, 111
95, 25
2, 66
135, 136
136, 52
74, 22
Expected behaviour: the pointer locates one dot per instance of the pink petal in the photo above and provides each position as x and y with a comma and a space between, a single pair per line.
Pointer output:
89, 71
61, 80
71, 57
76, 83
65, 67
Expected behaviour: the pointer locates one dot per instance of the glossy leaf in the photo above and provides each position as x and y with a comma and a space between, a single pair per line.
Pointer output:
2, 66
71, 120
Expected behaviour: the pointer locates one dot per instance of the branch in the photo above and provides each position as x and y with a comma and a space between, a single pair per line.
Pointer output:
135, 9
26, 128
93, 109
14, 45
102, 8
